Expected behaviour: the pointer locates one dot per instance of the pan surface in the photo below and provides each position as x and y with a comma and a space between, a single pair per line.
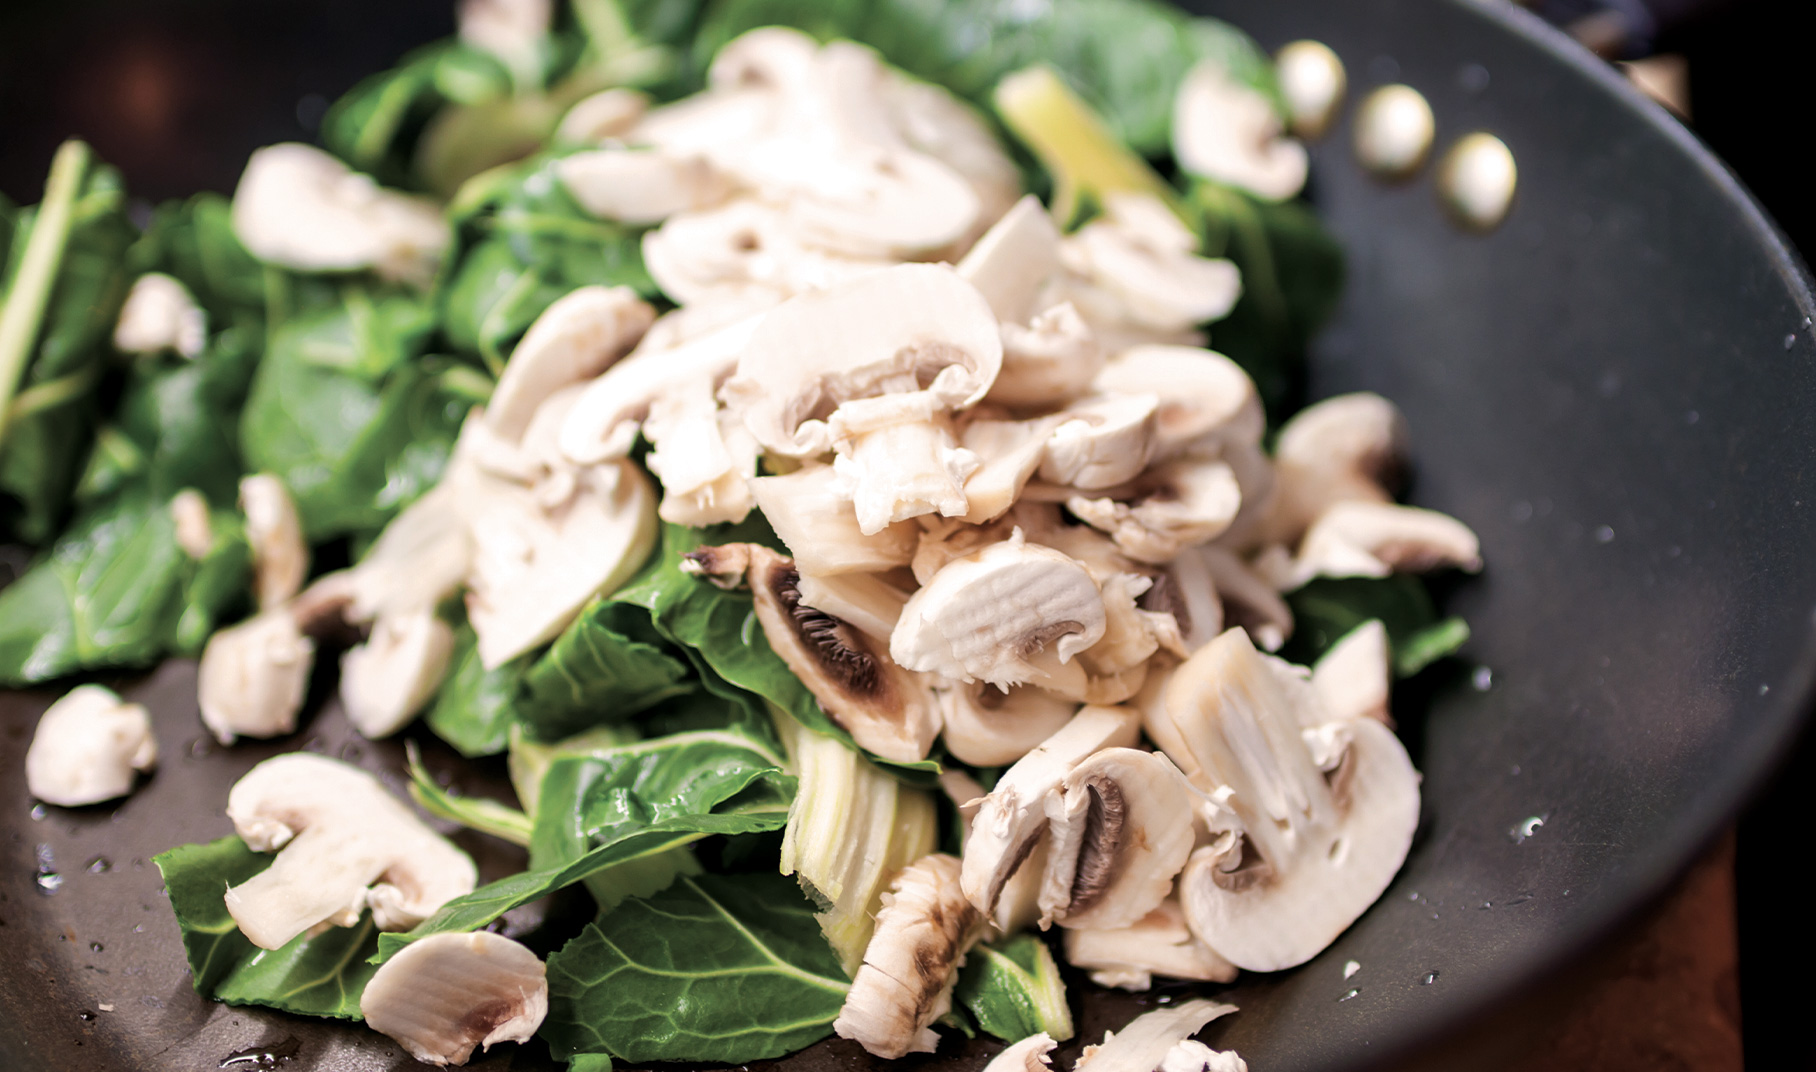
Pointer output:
1614, 389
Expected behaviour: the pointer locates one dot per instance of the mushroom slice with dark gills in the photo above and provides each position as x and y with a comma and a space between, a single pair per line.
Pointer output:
1321, 820
884, 708
905, 984
1012, 819
1121, 829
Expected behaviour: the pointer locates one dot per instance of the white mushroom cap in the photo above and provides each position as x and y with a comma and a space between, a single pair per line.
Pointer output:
892, 329
609, 113
387, 680
192, 522
986, 727
253, 676
1102, 441
298, 207
1121, 828
1310, 853
981, 617
87, 747
1206, 400
912, 962
280, 556
339, 832
535, 568
160, 314
640, 186
578, 337
1143, 1046
442, 995
1354, 676
1313, 82
1158, 943
1171, 506
1140, 254
1372, 539
1012, 820
1028, 1055
814, 520
1342, 449
1226, 131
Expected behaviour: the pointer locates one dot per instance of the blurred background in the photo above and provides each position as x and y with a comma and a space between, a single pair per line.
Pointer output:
177, 92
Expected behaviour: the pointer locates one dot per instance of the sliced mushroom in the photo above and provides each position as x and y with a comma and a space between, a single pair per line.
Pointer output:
1248, 599
864, 600
1190, 1055
534, 568
578, 337
1009, 452
1145, 260
1350, 448
421, 558
897, 454
1121, 829
1028, 1055
987, 727
922, 933
1354, 676
253, 676
387, 680
1102, 441
193, 523
280, 557
1012, 820
892, 329
87, 748
1311, 850
1224, 130
882, 706
703, 455
640, 186
160, 314
1368, 539
1171, 506
1187, 591
609, 113
982, 617
1144, 1045
298, 207
1131, 634
1048, 362
339, 832
930, 118
442, 995
742, 245
516, 31
814, 520
1013, 261
1158, 943
1206, 401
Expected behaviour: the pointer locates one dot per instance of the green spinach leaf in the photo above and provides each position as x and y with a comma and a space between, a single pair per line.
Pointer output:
1013, 989
1327, 608
608, 665
194, 241
319, 976
476, 813
715, 968
476, 708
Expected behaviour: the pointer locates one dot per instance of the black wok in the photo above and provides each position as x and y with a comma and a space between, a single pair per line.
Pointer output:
1614, 390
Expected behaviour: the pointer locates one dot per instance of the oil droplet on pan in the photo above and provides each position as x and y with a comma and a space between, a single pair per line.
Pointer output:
1430, 978
1313, 82
1394, 131
1476, 181
1349, 994
1526, 828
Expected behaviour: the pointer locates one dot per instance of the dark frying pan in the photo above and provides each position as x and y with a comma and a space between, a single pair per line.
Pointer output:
1614, 390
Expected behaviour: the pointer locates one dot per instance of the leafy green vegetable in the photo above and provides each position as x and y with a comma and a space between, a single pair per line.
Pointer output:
113, 590
63, 284
532, 244
614, 804
1125, 57
475, 813
716, 968
193, 241
319, 976
608, 665
1013, 989
377, 124
345, 413
1327, 608
476, 708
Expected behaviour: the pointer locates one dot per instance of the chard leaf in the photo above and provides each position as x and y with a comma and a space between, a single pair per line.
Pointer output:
193, 240
614, 804
1327, 608
375, 125
475, 813
1013, 989
320, 976
715, 968
608, 665
476, 708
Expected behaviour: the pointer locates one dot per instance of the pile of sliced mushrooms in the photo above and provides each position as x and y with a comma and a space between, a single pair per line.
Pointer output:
1029, 516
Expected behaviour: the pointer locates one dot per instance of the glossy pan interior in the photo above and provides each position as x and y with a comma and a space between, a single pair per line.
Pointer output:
1615, 390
